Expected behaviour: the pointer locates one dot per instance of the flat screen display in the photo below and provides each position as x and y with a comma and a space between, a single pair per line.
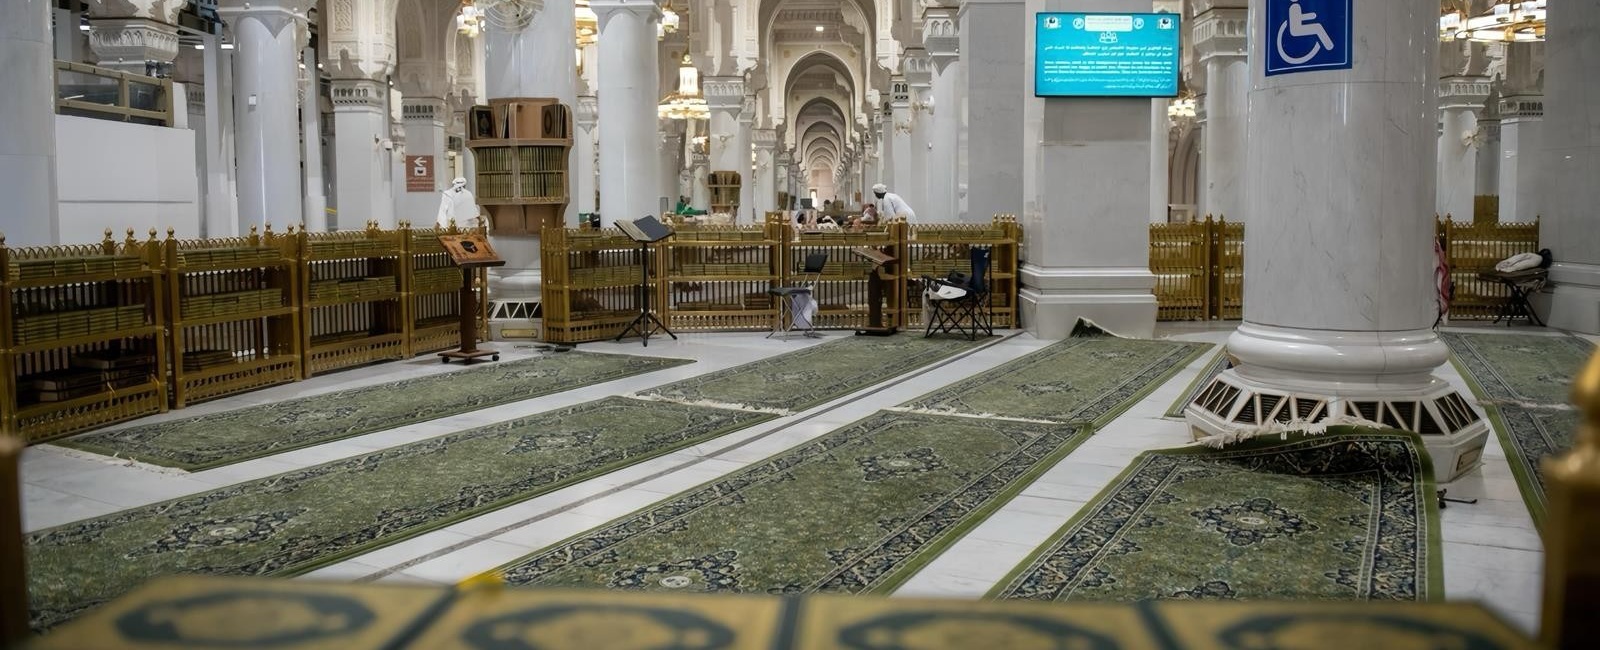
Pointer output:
1106, 55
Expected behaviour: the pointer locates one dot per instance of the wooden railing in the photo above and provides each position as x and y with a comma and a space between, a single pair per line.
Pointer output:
101, 93
1199, 266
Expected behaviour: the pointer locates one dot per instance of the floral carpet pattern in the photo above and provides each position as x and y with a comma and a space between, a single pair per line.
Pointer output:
795, 381
1344, 515
1083, 379
855, 510
218, 439
1524, 381
297, 521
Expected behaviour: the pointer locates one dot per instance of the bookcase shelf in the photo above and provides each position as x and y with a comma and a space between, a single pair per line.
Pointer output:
724, 189
937, 249
82, 338
521, 147
432, 302
350, 289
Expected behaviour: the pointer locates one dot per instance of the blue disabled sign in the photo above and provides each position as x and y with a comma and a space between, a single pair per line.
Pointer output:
1308, 35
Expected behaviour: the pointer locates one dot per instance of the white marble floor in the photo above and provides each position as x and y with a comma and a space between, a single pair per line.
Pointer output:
1492, 552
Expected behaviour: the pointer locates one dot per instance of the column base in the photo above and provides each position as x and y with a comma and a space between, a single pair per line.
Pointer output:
516, 289
1573, 302
1289, 380
1118, 300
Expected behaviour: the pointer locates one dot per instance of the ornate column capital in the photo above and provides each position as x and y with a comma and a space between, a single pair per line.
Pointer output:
1463, 92
747, 109
918, 68
899, 92
358, 94
941, 36
275, 15
1220, 32
700, 160
588, 112
605, 10
723, 93
132, 44
423, 109
1522, 107
764, 139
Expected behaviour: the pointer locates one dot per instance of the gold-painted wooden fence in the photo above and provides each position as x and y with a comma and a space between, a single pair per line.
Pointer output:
1199, 266
91, 335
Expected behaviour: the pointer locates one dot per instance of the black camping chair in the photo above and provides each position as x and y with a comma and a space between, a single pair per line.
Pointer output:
968, 313
783, 319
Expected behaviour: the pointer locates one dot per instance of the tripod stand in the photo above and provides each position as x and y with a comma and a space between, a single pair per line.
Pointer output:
645, 231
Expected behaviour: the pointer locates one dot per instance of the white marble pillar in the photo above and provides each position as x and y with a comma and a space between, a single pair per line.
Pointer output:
671, 148
725, 99
266, 107
1219, 36
629, 82
919, 75
1160, 160
28, 128
885, 125
1338, 252
900, 140
1521, 141
222, 204
701, 198
1571, 226
741, 156
944, 157
583, 154
361, 162
782, 177
1488, 158
316, 196
1460, 99
764, 195
424, 126
995, 58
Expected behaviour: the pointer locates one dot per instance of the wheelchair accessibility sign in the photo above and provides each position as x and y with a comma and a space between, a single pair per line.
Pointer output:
1308, 35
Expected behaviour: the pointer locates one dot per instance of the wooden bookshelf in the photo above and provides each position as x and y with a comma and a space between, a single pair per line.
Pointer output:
521, 147
842, 291
233, 311
82, 344
717, 277
591, 280
351, 296
432, 292
724, 187
938, 249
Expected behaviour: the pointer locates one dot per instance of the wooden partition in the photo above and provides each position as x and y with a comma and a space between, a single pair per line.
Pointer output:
350, 289
842, 290
431, 291
590, 284
1180, 258
717, 277
235, 313
938, 248
82, 343
1476, 247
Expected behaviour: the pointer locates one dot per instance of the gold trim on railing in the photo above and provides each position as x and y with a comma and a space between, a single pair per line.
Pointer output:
1572, 527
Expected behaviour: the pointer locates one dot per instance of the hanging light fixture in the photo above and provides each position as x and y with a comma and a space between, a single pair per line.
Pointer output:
686, 103
509, 15
1508, 21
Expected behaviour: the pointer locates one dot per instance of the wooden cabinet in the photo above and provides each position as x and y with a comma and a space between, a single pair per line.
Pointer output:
522, 150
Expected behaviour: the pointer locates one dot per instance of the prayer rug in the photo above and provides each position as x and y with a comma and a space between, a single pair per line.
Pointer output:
1348, 514
208, 441
1080, 379
298, 521
795, 381
1524, 382
855, 510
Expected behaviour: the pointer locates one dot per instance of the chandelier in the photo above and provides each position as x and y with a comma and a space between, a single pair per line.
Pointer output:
1507, 21
508, 15
686, 103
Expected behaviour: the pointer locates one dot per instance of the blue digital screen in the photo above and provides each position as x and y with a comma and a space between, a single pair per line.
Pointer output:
1106, 55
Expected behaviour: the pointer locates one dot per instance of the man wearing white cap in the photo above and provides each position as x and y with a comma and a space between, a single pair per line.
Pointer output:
891, 205
458, 205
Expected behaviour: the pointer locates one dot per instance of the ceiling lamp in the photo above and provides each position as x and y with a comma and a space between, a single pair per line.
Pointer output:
1507, 21
586, 22
469, 21
686, 103
509, 15
820, 28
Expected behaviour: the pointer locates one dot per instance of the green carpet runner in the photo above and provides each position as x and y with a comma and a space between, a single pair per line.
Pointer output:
856, 510
1524, 382
229, 437
1344, 515
297, 521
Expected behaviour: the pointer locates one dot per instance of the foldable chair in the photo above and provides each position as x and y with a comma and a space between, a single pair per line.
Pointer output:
791, 299
960, 304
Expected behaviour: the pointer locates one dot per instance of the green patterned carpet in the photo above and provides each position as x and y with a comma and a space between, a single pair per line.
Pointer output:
1214, 367
1083, 379
795, 381
297, 521
1345, 515
224, 438
1524, 382
856, 510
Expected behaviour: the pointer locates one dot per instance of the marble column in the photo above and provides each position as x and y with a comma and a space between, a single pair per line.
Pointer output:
764, 193
629, 82
900, 140
1088, 252
701, 163
1460, 99
267, 34
1488, 158
583, 154
941, 37
783, 177
1339, 304
1219, 36
530, 59
424, 125
138, 37
1570, 228
725, 99
919, 75
316, 194
996, 78
28, 130
671, 148
1161, 134
360, 157
741, 156
1521, 141
222, 203
885, 125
